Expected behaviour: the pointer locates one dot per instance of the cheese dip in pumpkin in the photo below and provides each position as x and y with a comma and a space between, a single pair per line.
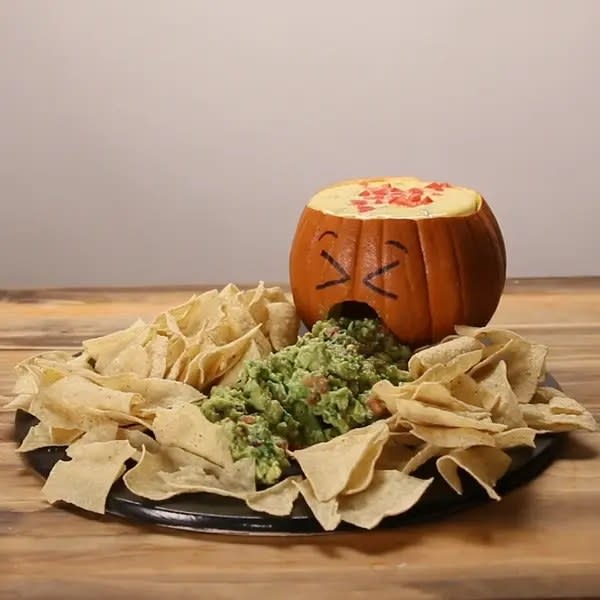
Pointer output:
424, 255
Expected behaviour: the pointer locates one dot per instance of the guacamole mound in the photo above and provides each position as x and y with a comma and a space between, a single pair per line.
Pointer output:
307, 393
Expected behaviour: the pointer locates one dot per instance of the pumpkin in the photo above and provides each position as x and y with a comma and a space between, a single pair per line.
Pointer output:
424, 256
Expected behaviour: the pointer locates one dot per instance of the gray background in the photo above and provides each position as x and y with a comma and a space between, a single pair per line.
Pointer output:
147, 142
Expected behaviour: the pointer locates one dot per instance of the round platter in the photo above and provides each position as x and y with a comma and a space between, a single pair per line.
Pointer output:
218, 514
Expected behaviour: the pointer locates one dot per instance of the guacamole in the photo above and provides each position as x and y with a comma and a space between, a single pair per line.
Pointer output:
307, 393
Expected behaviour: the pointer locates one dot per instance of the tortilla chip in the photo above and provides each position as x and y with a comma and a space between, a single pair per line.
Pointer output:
362, 473
507, 409
132, 359
104, 350
199, 313
233, 374
444, 373
283, 324
544, 394
326, 512
36, 375
436, 394
186, 427
395, 454
27, 381
276, 500
151, 392
169, 319
558, 401
467, 390
211, 364
53, 411
175, 348
22, 401
406, 438
221, 332
138, 439
565, 406
390, 493
158, 476
418, 412
422, 456
526, 371
492, 335
441, 353
485, 465
492, 355
329, 466
43, 436
157, 351
238, 318
525, 360
107, 432
86, 480
229, 292
75, 402
78, 390
235, 479
453, 437
166, 324
542, 417
257, 299
521, 436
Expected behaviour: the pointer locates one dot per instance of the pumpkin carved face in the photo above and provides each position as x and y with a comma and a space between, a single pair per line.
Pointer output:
424, 256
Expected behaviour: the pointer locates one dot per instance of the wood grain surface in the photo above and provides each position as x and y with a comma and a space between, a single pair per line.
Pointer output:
540, 541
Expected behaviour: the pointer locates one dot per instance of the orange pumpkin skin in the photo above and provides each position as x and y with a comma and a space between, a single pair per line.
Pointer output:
451, 271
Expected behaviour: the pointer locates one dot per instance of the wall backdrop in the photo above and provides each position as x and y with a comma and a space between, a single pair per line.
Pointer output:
159, 142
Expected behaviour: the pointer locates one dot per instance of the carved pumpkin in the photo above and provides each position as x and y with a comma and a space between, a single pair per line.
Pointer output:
423, 255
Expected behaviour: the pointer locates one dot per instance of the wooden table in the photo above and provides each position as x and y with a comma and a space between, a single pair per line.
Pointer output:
540, 541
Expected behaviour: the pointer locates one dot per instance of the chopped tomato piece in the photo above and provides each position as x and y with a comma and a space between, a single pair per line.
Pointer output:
438, 187
377, 406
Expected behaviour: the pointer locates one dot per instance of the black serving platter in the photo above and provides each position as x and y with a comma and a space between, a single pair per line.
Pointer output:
217, 514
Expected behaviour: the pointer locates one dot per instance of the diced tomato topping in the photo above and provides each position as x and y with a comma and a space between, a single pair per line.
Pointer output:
438, 187
397, 201
248, 419
316, 383
387, 193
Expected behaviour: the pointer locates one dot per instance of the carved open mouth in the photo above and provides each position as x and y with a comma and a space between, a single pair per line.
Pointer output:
353, 310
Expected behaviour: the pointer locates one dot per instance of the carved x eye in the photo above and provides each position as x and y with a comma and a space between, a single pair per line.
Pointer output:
344, 276
385, 269
336, 265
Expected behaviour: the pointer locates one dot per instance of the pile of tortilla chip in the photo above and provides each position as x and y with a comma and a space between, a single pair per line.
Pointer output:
128, 395
127, 400
473, 397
